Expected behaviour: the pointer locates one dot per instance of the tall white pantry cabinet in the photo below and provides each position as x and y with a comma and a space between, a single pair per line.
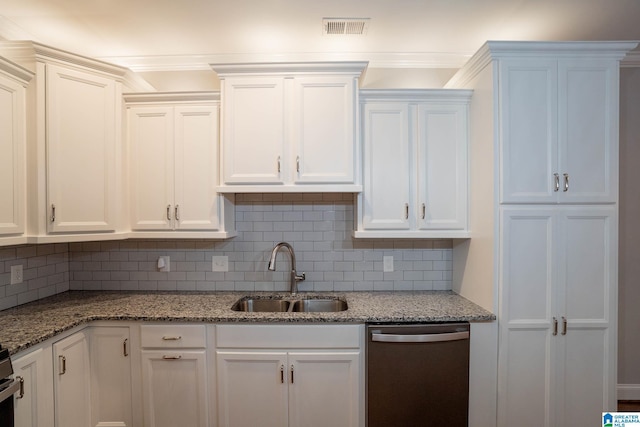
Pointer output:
544, 168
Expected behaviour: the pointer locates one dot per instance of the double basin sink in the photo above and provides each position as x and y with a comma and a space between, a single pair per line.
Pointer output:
290, 304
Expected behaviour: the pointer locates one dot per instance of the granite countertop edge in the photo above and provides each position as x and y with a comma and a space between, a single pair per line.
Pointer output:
30, 324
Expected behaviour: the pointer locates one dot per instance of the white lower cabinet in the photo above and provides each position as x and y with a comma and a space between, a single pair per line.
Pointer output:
34, 403
111, 392
276, 375
174, 376
71, 385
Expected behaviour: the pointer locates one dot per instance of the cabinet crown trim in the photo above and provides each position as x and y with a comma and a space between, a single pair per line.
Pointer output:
16, 72
491, 50
171, 97
290, 68
419, 95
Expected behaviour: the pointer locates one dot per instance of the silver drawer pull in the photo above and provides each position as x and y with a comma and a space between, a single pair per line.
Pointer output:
556, 182
168, 212
171, 338
454, 336
178, 357
566, 182
21, 392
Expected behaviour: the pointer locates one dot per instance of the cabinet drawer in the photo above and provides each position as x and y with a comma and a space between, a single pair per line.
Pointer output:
289, 336
173, 336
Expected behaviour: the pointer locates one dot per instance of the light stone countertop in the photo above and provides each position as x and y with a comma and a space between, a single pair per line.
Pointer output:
24, 326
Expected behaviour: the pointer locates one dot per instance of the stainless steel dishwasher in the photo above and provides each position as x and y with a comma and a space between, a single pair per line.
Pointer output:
417, 375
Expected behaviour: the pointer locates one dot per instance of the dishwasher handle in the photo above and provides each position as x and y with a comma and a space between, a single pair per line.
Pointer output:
420, 338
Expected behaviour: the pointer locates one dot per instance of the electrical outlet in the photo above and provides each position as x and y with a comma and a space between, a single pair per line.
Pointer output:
164, 263
387, 264
16, 274
220, 263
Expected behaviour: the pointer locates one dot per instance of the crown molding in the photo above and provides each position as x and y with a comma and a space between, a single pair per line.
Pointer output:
495, 50
171, 97
632, 60
375, 60
418, 95
16, 72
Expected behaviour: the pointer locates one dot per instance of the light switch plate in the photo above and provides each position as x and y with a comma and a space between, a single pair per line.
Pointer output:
16, 274
219, 263
387, 264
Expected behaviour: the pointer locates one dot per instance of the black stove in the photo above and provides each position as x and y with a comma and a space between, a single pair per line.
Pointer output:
8, 387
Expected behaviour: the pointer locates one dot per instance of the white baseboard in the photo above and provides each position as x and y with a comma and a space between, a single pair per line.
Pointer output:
628, 391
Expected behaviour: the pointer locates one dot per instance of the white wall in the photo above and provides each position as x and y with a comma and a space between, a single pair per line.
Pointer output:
629, 239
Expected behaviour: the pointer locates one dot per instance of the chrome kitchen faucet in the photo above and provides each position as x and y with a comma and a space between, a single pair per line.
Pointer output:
295, 278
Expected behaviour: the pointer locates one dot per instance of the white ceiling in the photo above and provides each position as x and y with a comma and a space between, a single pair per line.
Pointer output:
188, 34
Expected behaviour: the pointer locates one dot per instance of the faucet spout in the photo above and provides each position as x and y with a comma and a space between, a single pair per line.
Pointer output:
295, 277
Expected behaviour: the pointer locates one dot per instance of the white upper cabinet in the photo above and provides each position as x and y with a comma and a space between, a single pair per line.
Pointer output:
415, 164
74, 134
173, 147
13, 82
82, 150
290, 127
558, 129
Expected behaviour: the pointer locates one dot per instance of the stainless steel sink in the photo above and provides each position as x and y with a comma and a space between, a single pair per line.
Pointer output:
319, 305
303, 305
265, 305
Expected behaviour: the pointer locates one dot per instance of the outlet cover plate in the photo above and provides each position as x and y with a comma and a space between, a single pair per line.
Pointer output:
219, 263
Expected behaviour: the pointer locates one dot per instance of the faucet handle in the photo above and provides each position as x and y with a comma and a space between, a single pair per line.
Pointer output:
300, 277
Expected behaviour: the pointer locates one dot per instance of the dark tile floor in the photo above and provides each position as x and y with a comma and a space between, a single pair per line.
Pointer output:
629, 405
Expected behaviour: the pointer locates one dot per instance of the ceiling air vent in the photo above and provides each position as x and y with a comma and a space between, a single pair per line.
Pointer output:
345, 26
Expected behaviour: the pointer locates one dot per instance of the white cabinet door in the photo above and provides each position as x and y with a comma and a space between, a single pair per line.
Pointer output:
387, 171
324, 389
528, 103
81, 133
34, 406
587, 275
558, 130
324, 130
253, 130
174, 167
526, 368
71, 382
174, 388
442, 167
557, 294
196, 168
12, 156
111, 398
151, 172
588, 130
252, 388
